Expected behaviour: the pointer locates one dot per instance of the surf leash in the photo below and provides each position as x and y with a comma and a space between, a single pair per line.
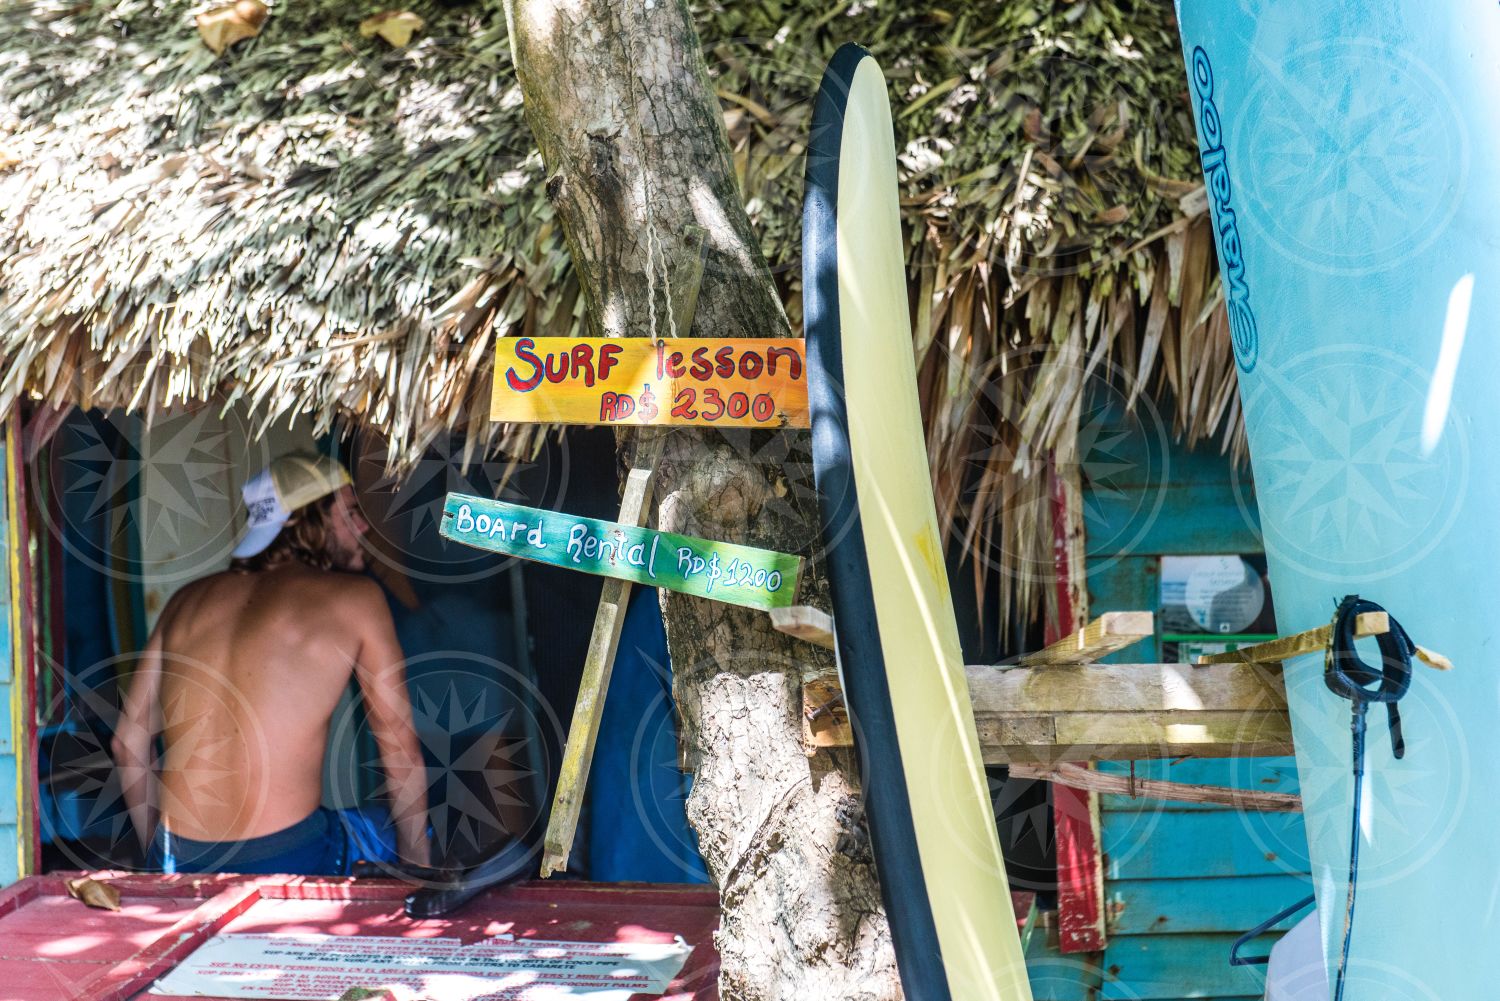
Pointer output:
1349, 677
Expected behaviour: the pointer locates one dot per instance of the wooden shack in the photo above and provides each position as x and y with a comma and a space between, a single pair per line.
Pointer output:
1177, 881
315, 230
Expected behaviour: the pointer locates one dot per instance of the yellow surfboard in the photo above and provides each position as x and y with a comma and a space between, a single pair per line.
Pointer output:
931, 821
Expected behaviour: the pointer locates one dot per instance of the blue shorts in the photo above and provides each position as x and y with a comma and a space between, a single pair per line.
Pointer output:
327, 843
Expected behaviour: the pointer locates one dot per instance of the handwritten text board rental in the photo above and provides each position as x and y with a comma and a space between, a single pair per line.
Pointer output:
739, 575
740, 382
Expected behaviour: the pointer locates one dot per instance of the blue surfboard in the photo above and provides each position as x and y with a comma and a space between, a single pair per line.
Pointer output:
1352, 159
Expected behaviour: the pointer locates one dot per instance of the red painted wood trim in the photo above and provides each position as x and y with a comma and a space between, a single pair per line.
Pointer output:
18, 894
128, 978
1075, 814
189, 886
226, 897
1080, 911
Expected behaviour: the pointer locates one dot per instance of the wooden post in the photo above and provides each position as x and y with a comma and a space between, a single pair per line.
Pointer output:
21, 665
573, 776
1101, 712
1075, 812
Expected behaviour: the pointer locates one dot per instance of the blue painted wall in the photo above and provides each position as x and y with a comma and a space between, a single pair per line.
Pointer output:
1181, 881
10, 726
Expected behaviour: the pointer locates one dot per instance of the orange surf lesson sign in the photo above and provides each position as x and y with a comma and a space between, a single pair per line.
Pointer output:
711, 382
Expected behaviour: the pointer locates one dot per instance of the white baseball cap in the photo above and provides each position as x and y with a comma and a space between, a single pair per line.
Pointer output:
272, 494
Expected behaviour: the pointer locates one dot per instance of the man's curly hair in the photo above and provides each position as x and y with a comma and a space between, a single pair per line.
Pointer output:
304, 538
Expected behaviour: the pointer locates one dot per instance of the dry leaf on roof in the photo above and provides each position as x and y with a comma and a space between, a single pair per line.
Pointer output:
395, 26
94, 893
325, 233
8, 159
223, 26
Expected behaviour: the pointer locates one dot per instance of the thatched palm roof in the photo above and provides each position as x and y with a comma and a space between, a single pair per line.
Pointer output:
316, 221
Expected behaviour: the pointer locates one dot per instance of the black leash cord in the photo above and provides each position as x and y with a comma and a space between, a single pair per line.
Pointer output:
1235, 959
1349, 677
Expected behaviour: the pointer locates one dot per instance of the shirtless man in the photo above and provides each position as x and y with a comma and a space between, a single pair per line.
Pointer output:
241, 677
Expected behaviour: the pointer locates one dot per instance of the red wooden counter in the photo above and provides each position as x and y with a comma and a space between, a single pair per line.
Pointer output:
53, 948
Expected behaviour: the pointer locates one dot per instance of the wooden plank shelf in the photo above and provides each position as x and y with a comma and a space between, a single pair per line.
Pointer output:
1109, 633
1050, 708
1102, 712
1123, 712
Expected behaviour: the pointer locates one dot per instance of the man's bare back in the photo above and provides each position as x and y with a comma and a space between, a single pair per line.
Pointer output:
253, 666
241, 677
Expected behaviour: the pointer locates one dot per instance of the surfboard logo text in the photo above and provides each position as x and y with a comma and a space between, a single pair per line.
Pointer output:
1242, 330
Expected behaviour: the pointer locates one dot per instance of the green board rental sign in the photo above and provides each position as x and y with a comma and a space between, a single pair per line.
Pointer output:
739, 575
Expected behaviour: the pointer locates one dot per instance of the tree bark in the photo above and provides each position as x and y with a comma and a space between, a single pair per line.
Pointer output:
639, 173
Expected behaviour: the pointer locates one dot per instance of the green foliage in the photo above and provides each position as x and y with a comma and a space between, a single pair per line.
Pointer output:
318, 222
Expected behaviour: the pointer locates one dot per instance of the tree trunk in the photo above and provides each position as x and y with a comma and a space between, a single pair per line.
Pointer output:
618, 97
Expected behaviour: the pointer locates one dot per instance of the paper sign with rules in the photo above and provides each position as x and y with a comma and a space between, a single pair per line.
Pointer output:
713, 382
739, 575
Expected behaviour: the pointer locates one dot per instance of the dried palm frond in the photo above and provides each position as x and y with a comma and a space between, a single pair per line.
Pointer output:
317, 222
